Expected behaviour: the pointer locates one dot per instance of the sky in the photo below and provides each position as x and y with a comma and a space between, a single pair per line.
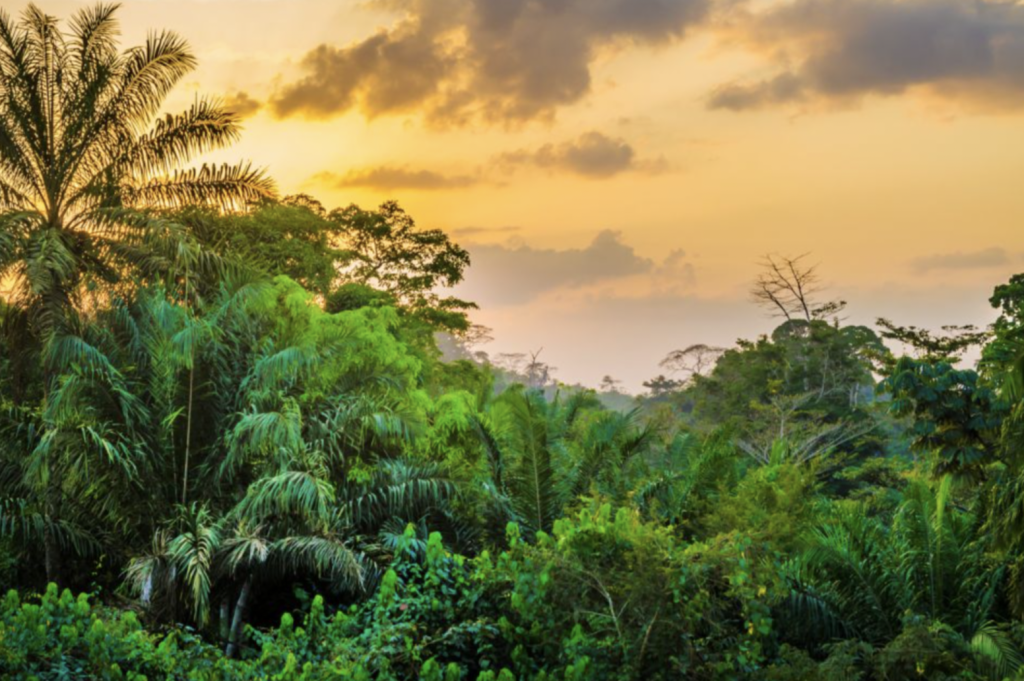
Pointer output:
619, 168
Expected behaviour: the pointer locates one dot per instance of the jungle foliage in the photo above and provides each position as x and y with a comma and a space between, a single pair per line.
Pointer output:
226, 424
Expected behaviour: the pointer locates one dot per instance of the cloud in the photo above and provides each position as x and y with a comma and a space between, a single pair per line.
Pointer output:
242, 104
474, 231
390, 178
461, 61
508, 275
593, 154
841, 51
783, 88
389, 72
989, 257
675, 274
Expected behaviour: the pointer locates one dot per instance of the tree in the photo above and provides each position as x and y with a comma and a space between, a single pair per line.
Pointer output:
661, 387
297, 445
527, 368
789, 289
291, 237
540, 453
791, 434
1006, 346
83, 160
610, 384
695, 360
464, 345
865, 578
349, 257
391, 255
536, 373
949, 346
829, 364
82, 155
955, 416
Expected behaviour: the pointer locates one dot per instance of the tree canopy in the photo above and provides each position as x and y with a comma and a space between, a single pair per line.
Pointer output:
226, 421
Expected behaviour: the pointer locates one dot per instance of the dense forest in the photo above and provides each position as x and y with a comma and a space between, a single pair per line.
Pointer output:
243, 436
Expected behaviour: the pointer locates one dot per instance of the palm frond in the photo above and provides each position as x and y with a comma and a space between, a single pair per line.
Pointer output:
397, 489
996, 651
327, 557
295, 493
192, 552
224, 187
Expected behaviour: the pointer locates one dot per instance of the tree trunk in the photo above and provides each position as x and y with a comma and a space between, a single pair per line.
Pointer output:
52, 560
174, 601
146, 597
224, 620
51, 501
51, 545
235, 635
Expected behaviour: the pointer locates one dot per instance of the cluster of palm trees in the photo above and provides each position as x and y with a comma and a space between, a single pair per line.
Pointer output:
209, 430
99, 424
84, 167
862, 577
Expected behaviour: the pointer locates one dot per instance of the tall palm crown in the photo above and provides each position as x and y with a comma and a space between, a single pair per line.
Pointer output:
83, 153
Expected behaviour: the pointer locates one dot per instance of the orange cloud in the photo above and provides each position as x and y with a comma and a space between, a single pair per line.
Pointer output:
479, 60
390, 178
242, 104
593, 154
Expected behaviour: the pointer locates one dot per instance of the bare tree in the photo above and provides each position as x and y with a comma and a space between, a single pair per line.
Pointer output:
789, 288
538, 374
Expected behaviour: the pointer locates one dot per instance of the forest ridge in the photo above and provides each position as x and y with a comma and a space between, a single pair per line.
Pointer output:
244, 436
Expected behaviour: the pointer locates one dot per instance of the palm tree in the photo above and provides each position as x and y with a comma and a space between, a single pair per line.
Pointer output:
85, 162
297, 468
860, 577
686, 479
286, 525
610, 442
69, 451
542, 454
82, 154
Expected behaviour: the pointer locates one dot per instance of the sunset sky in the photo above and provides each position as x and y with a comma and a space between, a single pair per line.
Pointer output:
617, 168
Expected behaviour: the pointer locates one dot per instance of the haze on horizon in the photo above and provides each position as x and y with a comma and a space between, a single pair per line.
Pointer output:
618, 168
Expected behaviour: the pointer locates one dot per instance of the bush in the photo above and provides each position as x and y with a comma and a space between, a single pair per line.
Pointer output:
63, 637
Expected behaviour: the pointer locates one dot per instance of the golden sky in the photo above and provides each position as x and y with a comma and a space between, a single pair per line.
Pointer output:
617, 168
